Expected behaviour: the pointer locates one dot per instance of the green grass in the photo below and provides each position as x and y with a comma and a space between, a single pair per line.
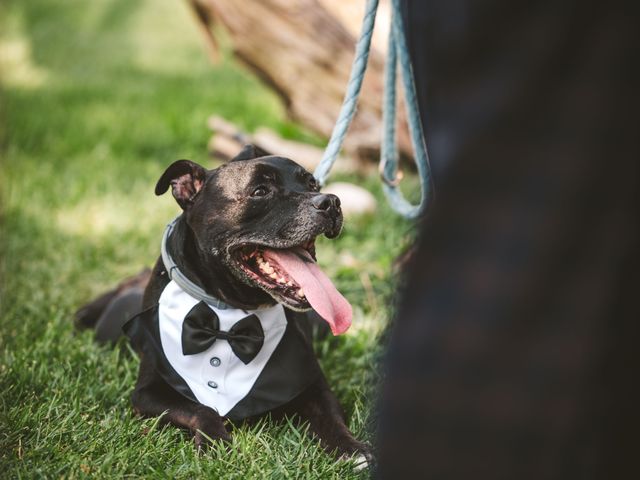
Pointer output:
96, 99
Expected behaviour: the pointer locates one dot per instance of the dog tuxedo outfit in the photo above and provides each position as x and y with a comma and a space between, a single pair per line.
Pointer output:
241, 363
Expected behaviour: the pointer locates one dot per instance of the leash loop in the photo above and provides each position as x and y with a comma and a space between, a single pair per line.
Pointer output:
397, 53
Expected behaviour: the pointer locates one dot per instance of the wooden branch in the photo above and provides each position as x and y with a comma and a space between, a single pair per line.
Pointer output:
302, 50
228, 140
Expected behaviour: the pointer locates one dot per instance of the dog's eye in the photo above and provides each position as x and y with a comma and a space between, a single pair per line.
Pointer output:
260, 192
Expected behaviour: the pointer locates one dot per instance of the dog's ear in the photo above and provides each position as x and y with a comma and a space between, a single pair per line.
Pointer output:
186, 179
249, 152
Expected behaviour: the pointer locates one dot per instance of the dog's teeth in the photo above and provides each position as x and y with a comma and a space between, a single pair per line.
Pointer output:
266, 268
300, 293
282, 280
274, 275
289, 283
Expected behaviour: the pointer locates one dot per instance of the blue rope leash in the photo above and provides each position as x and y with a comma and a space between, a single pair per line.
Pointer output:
348, 108
389, 155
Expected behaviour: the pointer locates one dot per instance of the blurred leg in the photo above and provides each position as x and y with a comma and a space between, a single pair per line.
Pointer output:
117, 313
515, 350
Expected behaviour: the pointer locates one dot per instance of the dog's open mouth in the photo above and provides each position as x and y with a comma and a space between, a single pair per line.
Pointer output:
292, 276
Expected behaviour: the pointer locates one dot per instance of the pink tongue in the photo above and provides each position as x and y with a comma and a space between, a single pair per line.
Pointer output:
320, 292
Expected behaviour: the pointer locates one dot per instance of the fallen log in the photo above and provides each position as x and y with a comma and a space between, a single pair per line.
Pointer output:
303, 50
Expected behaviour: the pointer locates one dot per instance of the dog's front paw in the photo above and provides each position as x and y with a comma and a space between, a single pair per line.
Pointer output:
362, 458
208, 428
361, 462
207, 438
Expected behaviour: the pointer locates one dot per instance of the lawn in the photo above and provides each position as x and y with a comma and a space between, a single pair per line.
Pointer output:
96, 99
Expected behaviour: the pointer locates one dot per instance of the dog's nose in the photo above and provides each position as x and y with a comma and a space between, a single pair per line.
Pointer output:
324, 201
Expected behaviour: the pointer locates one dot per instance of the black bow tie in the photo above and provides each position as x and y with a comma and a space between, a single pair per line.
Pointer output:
201, 328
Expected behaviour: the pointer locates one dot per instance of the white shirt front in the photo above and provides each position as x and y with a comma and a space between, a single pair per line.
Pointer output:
217, 377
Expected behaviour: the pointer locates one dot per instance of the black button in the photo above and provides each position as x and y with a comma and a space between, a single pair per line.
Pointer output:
212, 384
215, 362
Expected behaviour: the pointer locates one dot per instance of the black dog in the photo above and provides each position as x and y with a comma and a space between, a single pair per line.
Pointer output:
241, 347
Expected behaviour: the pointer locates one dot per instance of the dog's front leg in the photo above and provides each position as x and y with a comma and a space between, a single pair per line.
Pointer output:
319, 406
152, 397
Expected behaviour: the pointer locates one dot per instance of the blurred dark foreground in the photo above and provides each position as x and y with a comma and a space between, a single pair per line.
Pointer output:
515, 351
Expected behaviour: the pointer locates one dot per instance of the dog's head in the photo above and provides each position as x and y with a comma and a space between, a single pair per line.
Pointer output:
256, 219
